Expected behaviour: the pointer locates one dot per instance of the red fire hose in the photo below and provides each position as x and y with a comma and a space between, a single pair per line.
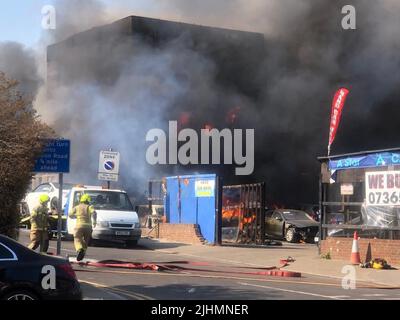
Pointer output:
173, 266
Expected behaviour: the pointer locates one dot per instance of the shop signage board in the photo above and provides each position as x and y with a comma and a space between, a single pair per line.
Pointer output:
382, 188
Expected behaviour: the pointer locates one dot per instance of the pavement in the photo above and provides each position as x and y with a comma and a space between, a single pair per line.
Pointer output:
216, 273
308, 261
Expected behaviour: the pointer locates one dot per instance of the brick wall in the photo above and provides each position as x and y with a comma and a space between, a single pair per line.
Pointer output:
183, 233
340, 249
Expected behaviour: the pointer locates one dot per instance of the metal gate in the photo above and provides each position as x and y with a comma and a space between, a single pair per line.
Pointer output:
243, 213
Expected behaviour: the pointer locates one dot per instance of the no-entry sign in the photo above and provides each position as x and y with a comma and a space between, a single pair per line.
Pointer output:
382, 188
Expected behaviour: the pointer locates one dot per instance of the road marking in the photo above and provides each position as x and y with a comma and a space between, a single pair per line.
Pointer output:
137, 296
97, 285
374, 295
344, 297
373, 285
66, 250
194, 275
291, 291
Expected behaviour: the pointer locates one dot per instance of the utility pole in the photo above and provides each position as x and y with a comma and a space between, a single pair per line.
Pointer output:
59, 210
109, 182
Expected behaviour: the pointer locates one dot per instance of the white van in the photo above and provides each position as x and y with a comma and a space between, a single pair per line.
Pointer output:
116, 218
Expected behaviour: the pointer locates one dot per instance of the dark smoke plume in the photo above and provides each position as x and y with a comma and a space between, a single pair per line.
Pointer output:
307, 57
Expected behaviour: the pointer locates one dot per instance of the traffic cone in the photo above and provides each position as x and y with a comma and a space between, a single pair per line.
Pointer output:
355, 251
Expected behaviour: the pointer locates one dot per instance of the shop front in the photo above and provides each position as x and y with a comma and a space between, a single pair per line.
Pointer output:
361, 192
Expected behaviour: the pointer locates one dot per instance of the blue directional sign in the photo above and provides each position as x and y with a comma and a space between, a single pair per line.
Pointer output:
55, 157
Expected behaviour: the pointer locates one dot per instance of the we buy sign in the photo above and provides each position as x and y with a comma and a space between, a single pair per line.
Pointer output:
382, 188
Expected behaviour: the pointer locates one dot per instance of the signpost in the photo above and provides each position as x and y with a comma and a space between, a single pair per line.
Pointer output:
55, 158
108, 166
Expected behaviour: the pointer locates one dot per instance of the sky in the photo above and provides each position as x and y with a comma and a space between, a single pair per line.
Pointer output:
20, 20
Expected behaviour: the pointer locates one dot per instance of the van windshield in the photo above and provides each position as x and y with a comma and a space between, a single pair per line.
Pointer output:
106, 200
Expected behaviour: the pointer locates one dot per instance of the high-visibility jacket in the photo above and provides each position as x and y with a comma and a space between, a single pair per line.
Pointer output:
84, 214
39, 218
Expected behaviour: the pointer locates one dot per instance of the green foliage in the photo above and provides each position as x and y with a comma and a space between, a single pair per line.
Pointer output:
326, 256
21, 132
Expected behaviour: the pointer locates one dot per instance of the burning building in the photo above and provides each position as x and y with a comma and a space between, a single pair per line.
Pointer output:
202, 77
108, 86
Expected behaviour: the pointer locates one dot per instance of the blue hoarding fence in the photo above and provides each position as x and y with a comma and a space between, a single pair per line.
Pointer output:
381, 159
55, 157
193, 199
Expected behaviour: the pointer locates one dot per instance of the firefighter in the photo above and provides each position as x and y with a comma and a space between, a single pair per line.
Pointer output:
85, 216
39, 225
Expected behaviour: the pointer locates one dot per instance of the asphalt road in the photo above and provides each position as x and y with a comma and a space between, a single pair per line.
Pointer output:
212, 281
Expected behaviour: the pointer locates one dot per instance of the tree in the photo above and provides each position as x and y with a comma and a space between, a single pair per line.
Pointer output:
21, 134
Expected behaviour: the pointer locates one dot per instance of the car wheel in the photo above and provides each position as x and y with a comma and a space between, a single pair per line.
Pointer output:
291, 235
131, 243
20, 295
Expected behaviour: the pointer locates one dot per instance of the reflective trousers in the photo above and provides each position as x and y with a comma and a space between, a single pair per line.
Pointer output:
39, 238
82, 238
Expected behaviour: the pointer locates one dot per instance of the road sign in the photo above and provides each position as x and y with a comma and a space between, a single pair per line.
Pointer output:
204, 188
346, 189
108, 166
54, 158
107, 177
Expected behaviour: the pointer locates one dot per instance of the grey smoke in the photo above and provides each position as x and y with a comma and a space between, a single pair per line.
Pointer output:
308, 57
73, 16
19, 63
97, 116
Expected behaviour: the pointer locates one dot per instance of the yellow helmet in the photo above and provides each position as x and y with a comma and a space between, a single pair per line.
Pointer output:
85, 198
44, 198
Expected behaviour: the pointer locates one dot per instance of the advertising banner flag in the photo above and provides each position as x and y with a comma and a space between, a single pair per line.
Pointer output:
337, 107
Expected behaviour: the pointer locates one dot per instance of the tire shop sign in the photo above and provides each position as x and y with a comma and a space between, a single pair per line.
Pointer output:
382, 188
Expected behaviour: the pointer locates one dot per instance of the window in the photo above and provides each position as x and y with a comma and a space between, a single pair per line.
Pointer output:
276, 215
66, 186
106, 200
6, 254
269, 213
296, 215
43, 188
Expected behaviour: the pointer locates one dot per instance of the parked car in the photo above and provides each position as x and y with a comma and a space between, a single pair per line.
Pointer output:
290, 225
51, 189
22, 271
